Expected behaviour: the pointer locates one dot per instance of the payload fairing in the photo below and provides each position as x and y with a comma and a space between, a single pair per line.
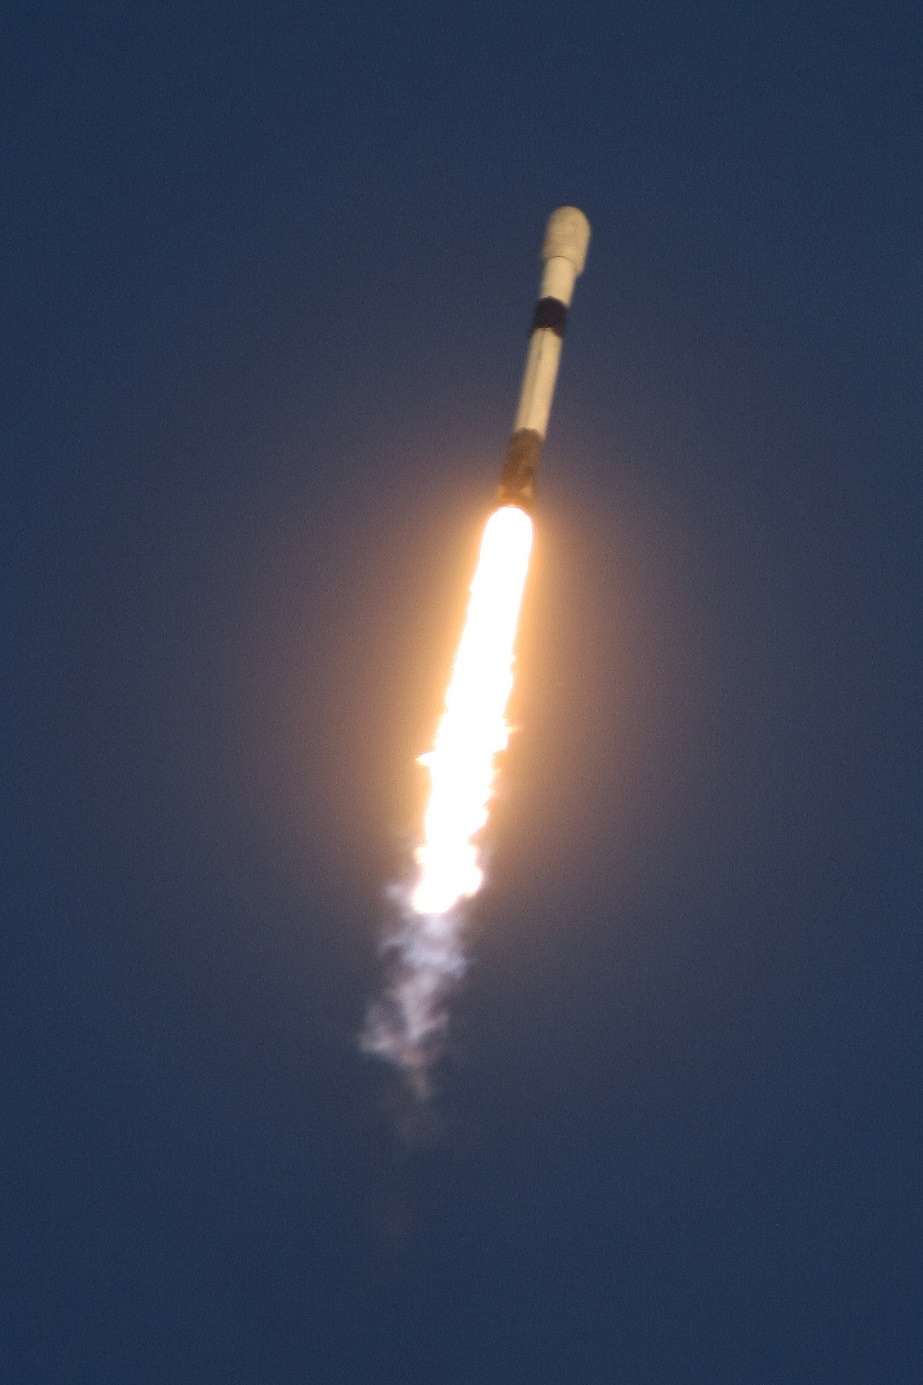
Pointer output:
567, 238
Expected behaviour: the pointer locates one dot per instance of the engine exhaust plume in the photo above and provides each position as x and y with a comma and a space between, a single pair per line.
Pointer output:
425, 949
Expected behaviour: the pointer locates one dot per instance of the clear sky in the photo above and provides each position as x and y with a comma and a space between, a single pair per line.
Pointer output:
267, 274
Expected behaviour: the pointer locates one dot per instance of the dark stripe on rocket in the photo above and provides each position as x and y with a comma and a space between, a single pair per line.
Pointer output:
550, 312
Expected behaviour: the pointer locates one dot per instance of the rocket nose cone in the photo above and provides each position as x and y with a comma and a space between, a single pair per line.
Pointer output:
567, 236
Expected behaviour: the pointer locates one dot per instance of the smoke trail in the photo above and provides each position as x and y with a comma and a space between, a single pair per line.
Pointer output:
425, 950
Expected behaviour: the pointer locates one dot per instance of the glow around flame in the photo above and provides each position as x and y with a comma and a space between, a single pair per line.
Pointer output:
473, 727
425, 950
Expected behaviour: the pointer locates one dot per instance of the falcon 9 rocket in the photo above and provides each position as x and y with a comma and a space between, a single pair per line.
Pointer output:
567, 238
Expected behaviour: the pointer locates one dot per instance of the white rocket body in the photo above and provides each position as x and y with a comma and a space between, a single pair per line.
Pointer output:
567, 238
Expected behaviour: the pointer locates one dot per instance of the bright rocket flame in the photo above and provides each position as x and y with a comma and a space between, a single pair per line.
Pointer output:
473, 727
406, 1025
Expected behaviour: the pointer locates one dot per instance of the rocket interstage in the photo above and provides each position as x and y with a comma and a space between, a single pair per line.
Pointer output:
425, 950
567, 239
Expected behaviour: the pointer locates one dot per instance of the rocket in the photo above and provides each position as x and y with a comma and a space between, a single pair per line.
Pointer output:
567, 237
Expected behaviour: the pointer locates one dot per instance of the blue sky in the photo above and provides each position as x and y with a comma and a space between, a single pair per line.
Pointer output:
268, 274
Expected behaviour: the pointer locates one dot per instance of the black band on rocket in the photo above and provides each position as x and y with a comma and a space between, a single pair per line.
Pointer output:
517, 479
550, 312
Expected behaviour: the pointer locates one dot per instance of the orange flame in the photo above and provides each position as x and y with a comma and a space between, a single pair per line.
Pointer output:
473, 726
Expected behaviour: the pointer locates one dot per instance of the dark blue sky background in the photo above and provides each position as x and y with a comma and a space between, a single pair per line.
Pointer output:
267, 273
